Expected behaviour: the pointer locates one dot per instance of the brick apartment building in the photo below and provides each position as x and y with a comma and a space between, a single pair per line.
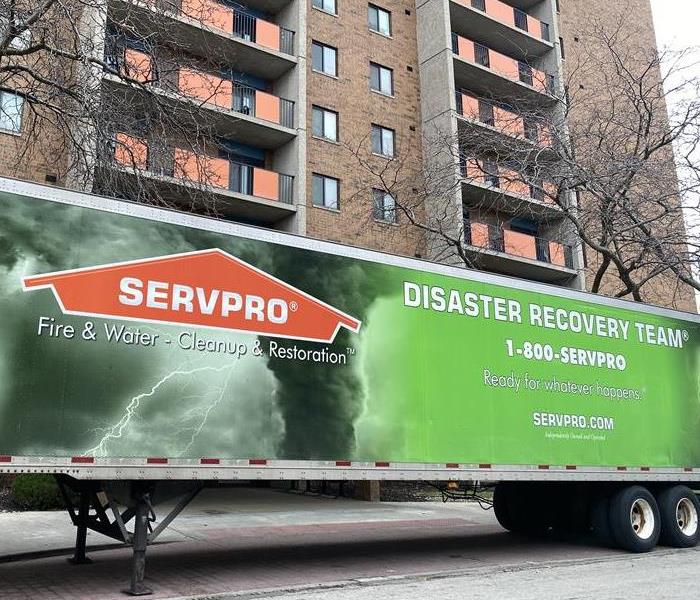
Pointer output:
304, 99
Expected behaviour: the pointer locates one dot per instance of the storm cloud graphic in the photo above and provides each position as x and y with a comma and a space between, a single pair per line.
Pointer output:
65, 397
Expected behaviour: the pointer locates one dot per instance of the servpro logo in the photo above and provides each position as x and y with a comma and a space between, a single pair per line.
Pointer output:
208, 288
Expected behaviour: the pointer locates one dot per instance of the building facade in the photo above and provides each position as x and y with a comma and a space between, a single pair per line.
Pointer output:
322, 118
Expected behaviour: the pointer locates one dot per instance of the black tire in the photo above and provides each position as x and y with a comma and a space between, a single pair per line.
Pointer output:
600, 519
634, 519
679, 509
521, 507
501, 505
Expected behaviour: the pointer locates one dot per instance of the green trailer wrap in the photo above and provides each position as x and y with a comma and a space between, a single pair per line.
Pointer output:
129, 332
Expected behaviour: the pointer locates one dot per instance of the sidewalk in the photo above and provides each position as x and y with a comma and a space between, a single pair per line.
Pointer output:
214, 511
249, 540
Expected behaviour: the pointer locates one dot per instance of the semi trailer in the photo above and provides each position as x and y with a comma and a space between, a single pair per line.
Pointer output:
146, 353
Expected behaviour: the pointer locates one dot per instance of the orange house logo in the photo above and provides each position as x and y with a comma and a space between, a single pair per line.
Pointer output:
208, 288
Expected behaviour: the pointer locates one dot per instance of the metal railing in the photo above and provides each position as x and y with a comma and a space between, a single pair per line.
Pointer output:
496, 242
286, 188
481, 55
286, 112
544, 31
525, 73
245, 28
286, 41
520, 19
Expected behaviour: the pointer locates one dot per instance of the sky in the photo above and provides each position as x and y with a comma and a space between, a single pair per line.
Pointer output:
676, 22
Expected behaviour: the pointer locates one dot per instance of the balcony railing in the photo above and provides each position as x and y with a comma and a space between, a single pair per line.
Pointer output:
500, 11
494, 237
136, 153
505, 66
206, 88
489, 173
215, 15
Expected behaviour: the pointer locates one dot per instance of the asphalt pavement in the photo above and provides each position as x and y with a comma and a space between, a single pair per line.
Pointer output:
250, 543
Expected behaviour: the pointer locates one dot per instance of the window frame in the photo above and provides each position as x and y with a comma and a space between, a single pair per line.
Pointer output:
378, 9
323, 47
324, 179
322, 9
375, 65
19, 99
324, 111
379, 212
381, 130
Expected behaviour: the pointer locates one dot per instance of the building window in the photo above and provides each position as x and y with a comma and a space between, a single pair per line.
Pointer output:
561, 48
328, 6
325, 123
381, 79
384, 206
325, 191
324, 59
379, 20
11, 108
21, 41
557, 5
382, 140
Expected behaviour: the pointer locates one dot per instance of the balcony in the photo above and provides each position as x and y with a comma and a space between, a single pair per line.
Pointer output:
249, 193
501, 27
515, 253
214, 31
498, 187
501, 120
233, 110
487, 72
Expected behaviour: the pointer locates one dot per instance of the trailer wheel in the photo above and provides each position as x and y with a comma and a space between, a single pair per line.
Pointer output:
679, 509
634, 519
521, 508
501, 506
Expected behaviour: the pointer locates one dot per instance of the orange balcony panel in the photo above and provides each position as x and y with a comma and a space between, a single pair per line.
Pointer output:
267, 34
465, 49
137, 65
539, 81
480, 235
504, 65
500, 11
131, 151
550, 192
534, 27
556, 254
519, 244
267, 106
207, 88
200, 168
512, 183
544, 136
210, 13
474, 171
266, 184
470, 107
508, 122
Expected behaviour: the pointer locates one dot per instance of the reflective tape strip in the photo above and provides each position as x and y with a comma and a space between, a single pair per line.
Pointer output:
155, 460
381, 464
257, 461
83, 459
209, 461
343, 463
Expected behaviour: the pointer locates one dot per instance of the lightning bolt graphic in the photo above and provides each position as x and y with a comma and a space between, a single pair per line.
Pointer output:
208, 409
116, 431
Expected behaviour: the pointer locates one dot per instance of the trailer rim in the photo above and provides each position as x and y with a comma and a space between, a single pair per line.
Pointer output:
687, 517
642, 518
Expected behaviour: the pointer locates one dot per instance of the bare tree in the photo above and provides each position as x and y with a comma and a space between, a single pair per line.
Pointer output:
593, 167
121, 98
